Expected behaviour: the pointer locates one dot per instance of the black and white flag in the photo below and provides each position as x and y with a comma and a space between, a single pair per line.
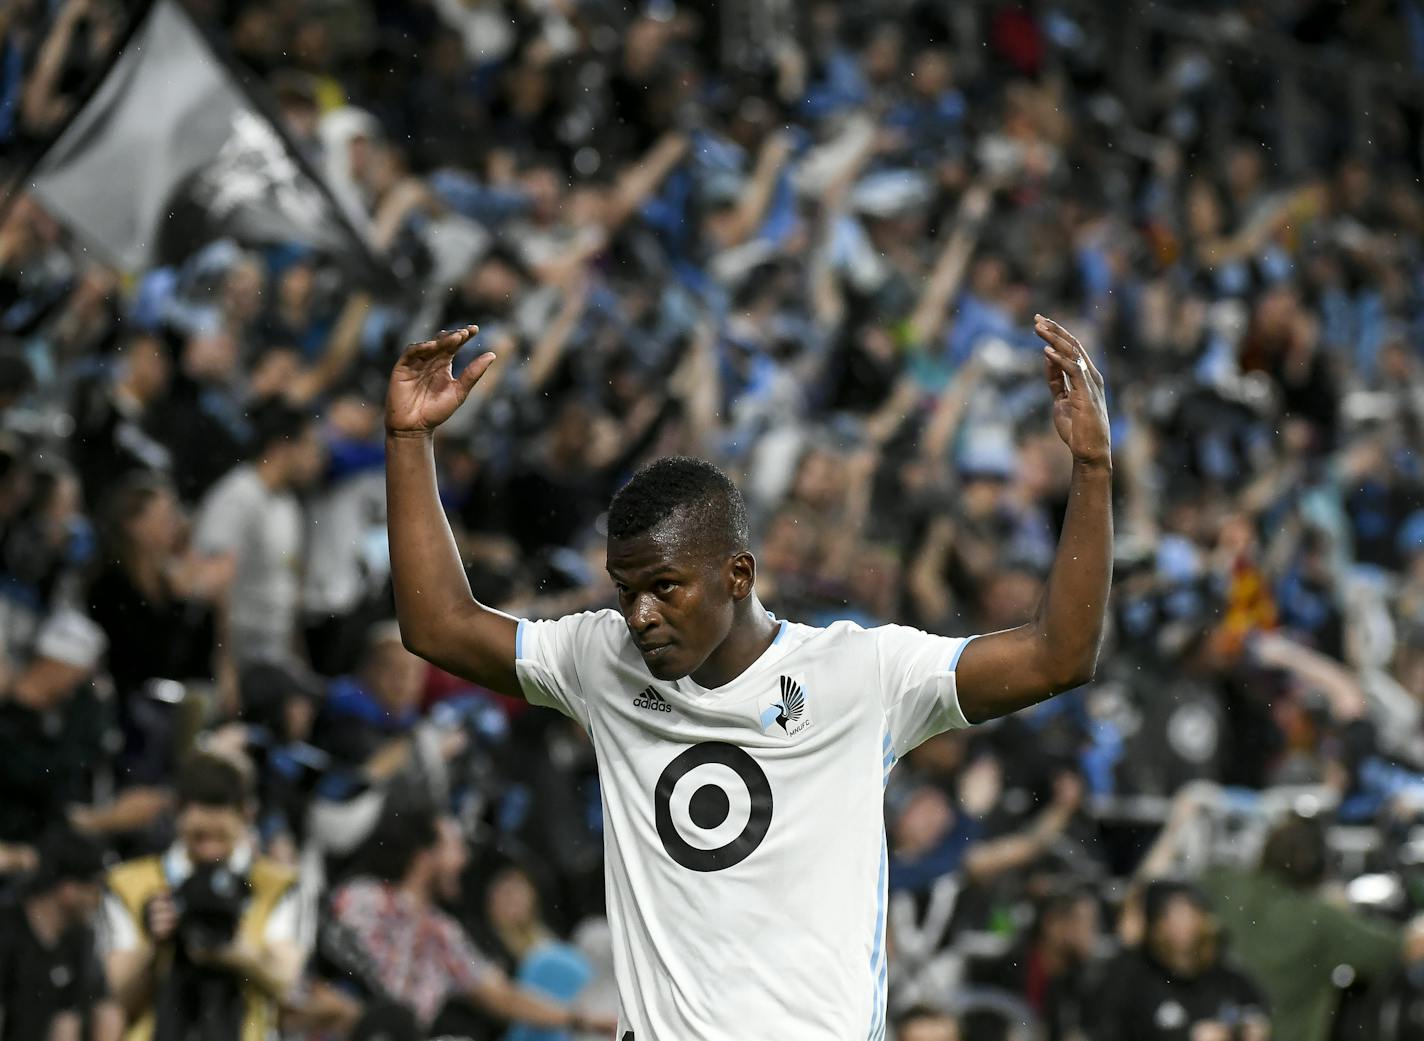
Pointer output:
172, 150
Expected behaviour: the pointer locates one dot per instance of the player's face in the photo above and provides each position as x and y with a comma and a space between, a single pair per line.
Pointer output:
676, 601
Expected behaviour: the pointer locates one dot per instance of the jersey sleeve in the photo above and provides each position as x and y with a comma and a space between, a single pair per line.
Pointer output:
917, 683
554, 659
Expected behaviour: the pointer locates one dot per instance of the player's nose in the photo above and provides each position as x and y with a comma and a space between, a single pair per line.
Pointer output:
643, 616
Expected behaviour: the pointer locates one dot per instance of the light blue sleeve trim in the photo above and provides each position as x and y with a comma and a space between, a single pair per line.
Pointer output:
780, 632
954, 662
519, 640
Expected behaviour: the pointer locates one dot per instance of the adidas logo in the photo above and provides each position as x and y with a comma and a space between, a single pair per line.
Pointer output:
651, 700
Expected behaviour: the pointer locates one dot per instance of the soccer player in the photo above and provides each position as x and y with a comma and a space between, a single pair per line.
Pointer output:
742, 758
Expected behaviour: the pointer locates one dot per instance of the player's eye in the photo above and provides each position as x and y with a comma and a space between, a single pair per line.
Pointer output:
622, 589
665, 587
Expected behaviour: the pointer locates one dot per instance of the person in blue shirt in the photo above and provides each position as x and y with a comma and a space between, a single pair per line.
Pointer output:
379, 704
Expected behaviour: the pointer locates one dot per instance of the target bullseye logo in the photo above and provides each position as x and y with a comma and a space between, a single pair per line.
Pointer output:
712, 806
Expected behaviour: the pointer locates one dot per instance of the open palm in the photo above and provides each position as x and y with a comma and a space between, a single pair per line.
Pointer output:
424, 390
1080, 412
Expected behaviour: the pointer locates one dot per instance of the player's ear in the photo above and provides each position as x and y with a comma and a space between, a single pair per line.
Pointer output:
741, 576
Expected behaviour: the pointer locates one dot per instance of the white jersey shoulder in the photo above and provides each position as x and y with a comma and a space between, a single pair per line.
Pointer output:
562, 663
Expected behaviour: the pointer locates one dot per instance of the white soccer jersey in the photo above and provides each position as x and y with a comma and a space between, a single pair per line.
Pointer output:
744, 826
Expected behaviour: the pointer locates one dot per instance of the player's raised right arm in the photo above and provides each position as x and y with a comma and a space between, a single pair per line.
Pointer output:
440, 620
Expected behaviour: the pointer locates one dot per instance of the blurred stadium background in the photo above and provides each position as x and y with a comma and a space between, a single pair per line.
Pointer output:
804, 239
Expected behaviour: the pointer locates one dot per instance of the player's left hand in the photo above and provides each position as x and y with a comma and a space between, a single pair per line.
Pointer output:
1080, 411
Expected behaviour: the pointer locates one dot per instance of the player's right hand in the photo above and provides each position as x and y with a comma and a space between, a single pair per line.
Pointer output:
424, 391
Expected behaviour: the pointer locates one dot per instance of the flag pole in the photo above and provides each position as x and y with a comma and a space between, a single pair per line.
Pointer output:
369, 267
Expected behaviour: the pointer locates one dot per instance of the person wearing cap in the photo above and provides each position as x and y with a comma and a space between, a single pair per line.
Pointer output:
47, 710
51, 982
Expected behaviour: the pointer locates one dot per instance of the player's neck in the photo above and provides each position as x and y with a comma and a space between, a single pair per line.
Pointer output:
753, 631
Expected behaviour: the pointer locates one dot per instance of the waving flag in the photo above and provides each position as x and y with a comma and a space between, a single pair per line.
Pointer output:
173, 150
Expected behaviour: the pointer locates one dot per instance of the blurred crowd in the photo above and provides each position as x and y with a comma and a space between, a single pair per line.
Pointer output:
805, 240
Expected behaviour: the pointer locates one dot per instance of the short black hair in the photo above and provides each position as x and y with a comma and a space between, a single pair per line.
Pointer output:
211, 780
1162, 893
1060, 900
266, 686
129, 497
693, 488
275, 420
407, 826
506, 255
1295, 852
66, 856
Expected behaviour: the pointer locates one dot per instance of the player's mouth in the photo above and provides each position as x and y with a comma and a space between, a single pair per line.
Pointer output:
654, 652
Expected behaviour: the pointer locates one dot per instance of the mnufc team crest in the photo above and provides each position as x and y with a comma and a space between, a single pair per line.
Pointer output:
787, 710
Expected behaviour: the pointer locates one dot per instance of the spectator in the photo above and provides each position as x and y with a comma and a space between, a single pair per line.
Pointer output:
1309, 937
208, 935
372, 710
44, 548
52, 986
252, 518
201, 420
512, 907
110, 437
51, 751
1174, 986
344, 585
280, 703
1291, 938
527, 944
154, 599
1053, 967
423, 956
932, 840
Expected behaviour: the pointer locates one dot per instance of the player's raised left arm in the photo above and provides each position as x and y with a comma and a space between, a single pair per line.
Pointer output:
1058, 649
